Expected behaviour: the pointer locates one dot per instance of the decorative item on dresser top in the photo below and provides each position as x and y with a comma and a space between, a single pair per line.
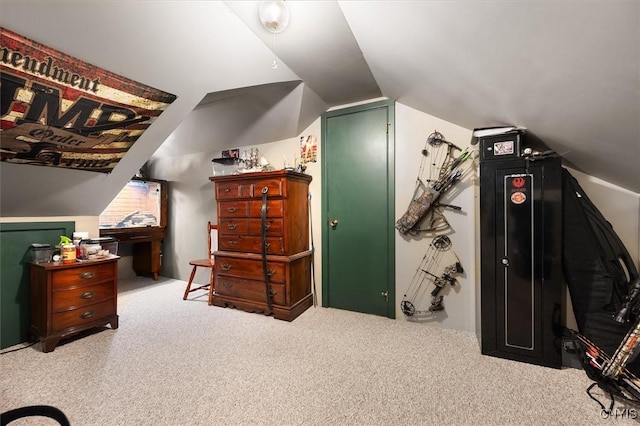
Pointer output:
263, 241
73, 297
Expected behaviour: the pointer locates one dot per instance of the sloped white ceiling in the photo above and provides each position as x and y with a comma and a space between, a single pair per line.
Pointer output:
241, 117
567, 70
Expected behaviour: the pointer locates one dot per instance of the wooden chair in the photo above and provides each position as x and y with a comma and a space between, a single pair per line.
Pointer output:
204, 263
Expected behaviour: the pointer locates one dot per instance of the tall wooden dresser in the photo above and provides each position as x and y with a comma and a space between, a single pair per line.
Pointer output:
239, 272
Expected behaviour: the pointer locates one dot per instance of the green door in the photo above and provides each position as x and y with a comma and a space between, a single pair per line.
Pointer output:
358, 214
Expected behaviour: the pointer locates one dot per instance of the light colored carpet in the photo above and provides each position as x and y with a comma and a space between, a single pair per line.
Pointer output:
175, 362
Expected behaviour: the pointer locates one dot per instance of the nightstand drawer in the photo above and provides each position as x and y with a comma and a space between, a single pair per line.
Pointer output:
86, 314
249, 289
252, 269
81, 296
82, 276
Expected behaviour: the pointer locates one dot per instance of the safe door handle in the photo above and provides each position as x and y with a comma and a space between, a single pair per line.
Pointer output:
333, 223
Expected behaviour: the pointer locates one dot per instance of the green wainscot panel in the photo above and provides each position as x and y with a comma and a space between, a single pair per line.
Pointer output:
15, 255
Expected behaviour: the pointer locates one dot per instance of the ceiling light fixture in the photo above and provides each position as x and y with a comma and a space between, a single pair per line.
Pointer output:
274, 16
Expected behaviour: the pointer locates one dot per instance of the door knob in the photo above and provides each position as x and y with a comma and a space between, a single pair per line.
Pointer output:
334, 223
385, 294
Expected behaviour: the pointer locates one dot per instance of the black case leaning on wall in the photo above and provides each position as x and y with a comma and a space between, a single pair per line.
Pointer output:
597, 268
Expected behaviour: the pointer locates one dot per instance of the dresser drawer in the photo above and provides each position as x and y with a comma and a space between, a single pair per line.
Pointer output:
233, 226
81, 296
252, 269
249, 289
84, 315
231, 190
82, 276
275, 208
250, 243
275, 226
274, 188
233, 209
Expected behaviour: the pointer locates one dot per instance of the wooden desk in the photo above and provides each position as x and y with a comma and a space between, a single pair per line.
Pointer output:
147, 256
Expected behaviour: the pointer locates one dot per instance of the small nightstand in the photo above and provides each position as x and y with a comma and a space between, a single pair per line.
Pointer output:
69, 298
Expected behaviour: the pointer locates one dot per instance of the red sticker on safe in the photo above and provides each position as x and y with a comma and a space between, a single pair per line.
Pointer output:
518, 182
518, 197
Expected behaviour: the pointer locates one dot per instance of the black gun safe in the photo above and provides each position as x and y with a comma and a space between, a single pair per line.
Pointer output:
522, 286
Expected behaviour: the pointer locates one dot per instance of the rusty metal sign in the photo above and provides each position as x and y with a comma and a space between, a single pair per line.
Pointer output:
58, 111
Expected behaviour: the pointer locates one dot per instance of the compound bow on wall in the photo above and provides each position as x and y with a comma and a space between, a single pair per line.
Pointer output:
427, 274
445, 170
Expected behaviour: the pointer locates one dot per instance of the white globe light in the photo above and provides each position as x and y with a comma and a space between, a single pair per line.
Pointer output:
274, 15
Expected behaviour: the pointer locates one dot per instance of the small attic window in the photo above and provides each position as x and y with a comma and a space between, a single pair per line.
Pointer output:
137, 205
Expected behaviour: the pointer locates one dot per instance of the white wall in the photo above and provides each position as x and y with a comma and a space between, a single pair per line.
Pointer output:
412, 130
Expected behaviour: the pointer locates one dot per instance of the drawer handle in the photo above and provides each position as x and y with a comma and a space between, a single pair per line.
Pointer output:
87, 275
271, 272
267, 226
232, 242
227, 284
139, 237
232, 226
86, 315
272, 292
227, 190
232, 209
87, 295
225, 266
266, 245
